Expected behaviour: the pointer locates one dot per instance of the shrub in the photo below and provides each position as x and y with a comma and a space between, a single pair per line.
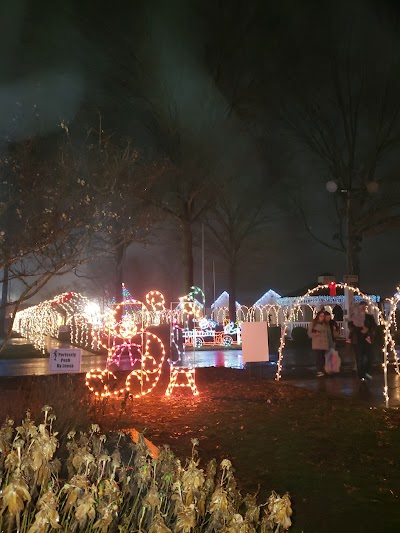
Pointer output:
300, 336
106, 494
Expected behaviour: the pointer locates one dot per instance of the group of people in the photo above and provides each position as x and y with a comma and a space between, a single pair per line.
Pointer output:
324, 331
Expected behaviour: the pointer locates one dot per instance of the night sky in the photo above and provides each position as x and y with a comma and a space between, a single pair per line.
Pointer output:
267, 63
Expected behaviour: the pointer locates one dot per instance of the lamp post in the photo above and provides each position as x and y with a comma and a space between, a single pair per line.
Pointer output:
348, 193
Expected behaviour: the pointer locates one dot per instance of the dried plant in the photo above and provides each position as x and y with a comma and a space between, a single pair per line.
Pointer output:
101, 493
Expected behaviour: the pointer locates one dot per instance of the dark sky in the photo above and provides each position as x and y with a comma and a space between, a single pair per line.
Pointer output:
70, 60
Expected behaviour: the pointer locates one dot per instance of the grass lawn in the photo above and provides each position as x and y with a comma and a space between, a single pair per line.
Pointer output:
337, 459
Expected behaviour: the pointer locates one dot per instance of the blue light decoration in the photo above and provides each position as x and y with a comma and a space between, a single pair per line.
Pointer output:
126, 295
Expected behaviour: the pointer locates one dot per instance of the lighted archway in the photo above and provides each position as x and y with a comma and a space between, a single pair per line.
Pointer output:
390, 346
387, 340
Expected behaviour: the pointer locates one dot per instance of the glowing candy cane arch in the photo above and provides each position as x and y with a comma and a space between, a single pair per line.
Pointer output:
388, 337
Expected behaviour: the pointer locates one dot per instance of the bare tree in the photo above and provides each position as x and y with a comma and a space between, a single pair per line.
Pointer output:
114, 174
351, 122
238, 219
45, 222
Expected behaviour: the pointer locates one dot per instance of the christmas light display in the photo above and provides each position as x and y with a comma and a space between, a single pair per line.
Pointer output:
156, 301
388, 340
188, 373
195, 292
122, 332
389, 347
38, 322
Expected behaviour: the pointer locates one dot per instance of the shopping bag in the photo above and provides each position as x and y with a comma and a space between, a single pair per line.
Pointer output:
332, 362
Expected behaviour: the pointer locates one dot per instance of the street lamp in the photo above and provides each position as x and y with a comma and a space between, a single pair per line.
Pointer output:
348, 193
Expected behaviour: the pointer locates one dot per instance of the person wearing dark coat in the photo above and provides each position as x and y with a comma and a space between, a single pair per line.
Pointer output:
363, 328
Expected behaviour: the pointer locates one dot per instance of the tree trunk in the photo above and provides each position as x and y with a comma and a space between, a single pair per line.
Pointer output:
120, 252
187, 256
4, 301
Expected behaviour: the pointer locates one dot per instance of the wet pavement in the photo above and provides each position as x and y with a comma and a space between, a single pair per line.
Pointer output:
298, 370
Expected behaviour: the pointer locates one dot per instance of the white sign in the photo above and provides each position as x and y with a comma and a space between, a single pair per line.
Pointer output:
65, 360
255, 342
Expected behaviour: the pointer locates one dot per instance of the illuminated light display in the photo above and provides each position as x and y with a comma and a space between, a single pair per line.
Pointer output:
102, 383
122, 332
387, 341
332, 288
126, 295
389, 346
195, 292
188, 373
156, 300
143, 380
38, 322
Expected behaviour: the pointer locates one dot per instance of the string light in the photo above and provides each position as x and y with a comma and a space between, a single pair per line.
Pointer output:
146, 352
190, 382
37, 322
156, 300
389, 346
122, 330
358, 296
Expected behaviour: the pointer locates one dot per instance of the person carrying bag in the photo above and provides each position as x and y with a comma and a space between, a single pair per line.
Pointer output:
332, 362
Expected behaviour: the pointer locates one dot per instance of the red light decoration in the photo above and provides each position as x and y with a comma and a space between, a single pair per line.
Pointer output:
332, 288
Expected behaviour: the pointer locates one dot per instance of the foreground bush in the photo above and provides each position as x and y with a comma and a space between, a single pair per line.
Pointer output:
108, 492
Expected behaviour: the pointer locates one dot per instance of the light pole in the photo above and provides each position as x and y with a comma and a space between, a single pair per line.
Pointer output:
348, 194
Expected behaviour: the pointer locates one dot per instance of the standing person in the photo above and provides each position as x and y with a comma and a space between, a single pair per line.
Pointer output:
362, 331
321, 338
333, 325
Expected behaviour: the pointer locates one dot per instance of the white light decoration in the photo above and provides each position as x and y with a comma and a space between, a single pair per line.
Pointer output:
38, 322
389, 344
388, 341
92, 311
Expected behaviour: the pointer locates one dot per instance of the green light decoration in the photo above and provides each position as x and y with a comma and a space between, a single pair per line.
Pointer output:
196, 291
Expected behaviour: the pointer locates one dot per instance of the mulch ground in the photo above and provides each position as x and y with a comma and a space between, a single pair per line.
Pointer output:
337, 459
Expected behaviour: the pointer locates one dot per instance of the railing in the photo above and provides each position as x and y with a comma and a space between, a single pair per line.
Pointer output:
292, 325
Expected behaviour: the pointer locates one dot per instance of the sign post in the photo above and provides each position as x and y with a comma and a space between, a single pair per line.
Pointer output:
65, 360
255, 342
